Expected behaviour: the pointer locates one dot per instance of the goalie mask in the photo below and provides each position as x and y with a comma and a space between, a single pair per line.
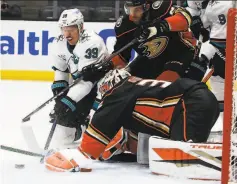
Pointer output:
71, 23
112, 78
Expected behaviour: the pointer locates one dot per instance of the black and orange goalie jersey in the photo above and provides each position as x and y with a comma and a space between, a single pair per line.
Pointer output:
135, 100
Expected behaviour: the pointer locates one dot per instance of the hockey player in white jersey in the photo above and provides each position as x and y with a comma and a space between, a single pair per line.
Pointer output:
74, 49
212, 15
215, 17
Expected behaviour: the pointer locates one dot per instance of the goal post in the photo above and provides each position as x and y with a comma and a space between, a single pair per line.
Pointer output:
229, 156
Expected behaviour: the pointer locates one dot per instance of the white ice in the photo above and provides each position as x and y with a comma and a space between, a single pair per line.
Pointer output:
20, 98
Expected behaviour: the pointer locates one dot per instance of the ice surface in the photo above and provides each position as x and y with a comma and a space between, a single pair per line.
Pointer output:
20, 98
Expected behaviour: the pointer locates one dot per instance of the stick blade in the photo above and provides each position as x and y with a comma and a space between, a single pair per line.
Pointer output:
25, 119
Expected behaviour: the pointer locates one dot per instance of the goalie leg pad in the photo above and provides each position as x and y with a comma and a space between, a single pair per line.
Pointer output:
63, 137
185, 159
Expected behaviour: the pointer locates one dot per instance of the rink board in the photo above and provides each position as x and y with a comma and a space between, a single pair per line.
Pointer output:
26, 46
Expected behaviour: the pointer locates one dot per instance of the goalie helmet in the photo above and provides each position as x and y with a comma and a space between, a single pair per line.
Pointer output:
112, 78
71, 17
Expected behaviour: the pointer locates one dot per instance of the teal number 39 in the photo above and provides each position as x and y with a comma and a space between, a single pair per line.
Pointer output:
91, 53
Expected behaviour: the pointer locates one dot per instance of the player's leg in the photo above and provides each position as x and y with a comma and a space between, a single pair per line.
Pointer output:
69, 130
195, 116
217, 83
218, 61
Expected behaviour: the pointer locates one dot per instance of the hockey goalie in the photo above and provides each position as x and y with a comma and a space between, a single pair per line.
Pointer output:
182, 112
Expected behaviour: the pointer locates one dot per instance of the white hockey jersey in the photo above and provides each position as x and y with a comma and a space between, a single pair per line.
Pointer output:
89, 49
214, 18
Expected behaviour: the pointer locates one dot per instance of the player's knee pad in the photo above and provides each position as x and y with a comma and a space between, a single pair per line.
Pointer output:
63, 137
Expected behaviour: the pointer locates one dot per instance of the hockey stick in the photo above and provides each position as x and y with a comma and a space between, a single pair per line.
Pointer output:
24, 152
208, 75
50, 136
30, 138
27, 118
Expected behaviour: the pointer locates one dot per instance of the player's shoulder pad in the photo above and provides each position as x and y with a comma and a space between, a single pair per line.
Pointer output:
123, 25
90, 36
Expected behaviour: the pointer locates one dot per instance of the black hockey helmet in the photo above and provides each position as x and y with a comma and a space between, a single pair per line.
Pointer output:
136, 9
132, 3
135, 2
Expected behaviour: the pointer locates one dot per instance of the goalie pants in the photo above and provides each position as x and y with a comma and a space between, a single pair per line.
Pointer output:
191, 118
195, 116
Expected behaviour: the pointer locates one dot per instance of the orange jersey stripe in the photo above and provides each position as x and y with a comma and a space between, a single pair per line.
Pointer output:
173, 154
163, 115
157, 100
125, 32
177, 22
152, 126
99, 132
168, 75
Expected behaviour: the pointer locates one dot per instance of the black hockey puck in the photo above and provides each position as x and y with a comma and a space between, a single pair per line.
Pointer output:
19, 166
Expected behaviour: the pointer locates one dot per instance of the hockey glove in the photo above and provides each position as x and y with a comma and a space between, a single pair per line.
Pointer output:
196, 26
198, 68
198, 29
147, 33
58, 86
96, 71
64, 110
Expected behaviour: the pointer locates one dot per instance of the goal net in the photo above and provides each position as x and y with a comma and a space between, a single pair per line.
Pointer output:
229, 156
